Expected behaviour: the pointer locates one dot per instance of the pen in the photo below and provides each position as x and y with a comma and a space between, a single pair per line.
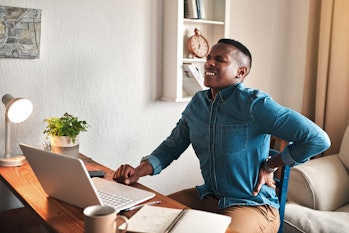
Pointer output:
176, 220
136, 207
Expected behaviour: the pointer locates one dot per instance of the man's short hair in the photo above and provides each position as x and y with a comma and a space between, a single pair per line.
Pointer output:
242, 48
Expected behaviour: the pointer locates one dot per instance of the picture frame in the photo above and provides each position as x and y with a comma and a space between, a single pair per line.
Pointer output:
20, 32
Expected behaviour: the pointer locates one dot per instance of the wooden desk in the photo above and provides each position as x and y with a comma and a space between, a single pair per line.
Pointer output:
56, 215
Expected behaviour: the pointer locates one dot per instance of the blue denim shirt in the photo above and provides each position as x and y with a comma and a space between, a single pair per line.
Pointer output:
231, 136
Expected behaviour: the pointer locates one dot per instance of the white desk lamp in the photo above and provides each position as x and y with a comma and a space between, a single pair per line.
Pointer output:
17, 110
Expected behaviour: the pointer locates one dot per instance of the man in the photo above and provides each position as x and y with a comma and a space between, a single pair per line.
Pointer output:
229, 127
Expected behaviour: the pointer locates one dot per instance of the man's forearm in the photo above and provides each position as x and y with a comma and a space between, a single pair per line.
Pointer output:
144, 169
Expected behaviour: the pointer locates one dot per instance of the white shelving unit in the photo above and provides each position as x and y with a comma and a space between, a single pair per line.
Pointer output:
176, 32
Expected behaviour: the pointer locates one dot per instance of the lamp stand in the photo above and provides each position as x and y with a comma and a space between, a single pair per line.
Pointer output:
13, 161
8, 160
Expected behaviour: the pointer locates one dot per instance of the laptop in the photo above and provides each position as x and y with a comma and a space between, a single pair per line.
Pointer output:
67, 179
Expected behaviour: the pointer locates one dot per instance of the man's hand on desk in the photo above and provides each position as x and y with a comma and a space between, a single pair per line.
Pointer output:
127, 174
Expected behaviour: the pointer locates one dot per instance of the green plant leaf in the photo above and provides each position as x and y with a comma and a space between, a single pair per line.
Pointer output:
67, 125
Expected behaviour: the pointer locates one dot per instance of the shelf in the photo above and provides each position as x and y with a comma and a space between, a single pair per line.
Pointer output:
176, 32
203, 21
193, 60
181, 99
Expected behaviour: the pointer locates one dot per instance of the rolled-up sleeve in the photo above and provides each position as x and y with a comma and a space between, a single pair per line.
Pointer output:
154, 162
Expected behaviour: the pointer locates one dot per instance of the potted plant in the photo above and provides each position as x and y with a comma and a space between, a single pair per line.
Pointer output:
64, 133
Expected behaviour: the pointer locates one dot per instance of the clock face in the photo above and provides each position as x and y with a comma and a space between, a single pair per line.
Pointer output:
198, 46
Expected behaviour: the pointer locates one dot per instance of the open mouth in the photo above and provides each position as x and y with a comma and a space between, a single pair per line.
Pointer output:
209, 74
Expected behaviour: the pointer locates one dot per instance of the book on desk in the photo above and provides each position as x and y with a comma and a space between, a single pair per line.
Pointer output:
155, 219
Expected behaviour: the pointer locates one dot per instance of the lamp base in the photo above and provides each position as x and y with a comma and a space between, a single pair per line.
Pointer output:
12, 161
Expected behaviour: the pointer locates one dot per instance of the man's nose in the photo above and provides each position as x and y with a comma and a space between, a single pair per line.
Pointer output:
209, 62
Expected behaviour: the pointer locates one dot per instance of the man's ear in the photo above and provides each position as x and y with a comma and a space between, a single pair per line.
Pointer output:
242, 72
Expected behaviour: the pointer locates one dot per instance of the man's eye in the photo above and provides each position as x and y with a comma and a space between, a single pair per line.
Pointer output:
219, 59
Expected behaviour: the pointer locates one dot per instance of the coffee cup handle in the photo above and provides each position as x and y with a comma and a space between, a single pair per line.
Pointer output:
125, 221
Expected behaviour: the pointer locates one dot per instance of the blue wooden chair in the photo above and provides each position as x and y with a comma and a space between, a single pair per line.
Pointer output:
282, 185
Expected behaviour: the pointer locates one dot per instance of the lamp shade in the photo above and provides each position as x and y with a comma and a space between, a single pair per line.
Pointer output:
17, 110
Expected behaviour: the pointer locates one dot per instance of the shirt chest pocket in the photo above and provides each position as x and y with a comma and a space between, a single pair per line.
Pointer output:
233, 138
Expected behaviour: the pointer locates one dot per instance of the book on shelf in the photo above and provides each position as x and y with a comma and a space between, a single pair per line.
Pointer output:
193, 80
190, 9
156, 219
200, 9
194, 9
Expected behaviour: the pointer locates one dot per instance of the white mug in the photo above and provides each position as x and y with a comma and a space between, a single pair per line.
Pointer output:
103, 219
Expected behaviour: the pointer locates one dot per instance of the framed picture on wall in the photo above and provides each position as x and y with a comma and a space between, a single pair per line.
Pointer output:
20, 31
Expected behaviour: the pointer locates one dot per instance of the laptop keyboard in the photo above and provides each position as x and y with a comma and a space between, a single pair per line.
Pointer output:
112, 200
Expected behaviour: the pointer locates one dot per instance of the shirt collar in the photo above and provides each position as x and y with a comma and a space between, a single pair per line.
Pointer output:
222, 94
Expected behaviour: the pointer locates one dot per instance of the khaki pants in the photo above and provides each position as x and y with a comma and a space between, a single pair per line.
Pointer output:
244, 219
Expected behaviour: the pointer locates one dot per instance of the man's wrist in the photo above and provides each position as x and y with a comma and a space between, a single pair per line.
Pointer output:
267, 168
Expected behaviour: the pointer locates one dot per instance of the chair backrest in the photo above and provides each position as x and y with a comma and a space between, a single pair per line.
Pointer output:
282, 186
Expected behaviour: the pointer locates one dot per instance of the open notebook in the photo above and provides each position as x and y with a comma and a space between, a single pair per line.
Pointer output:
155, 219
66, 178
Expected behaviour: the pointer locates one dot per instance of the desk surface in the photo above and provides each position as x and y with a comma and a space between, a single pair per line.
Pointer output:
57, 215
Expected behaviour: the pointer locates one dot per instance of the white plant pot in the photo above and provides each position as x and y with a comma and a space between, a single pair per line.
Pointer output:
64, 145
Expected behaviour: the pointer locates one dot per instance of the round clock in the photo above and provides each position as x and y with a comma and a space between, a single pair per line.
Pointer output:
198, 45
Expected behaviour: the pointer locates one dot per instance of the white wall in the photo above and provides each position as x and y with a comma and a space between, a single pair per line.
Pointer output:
102, 61
276, 33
